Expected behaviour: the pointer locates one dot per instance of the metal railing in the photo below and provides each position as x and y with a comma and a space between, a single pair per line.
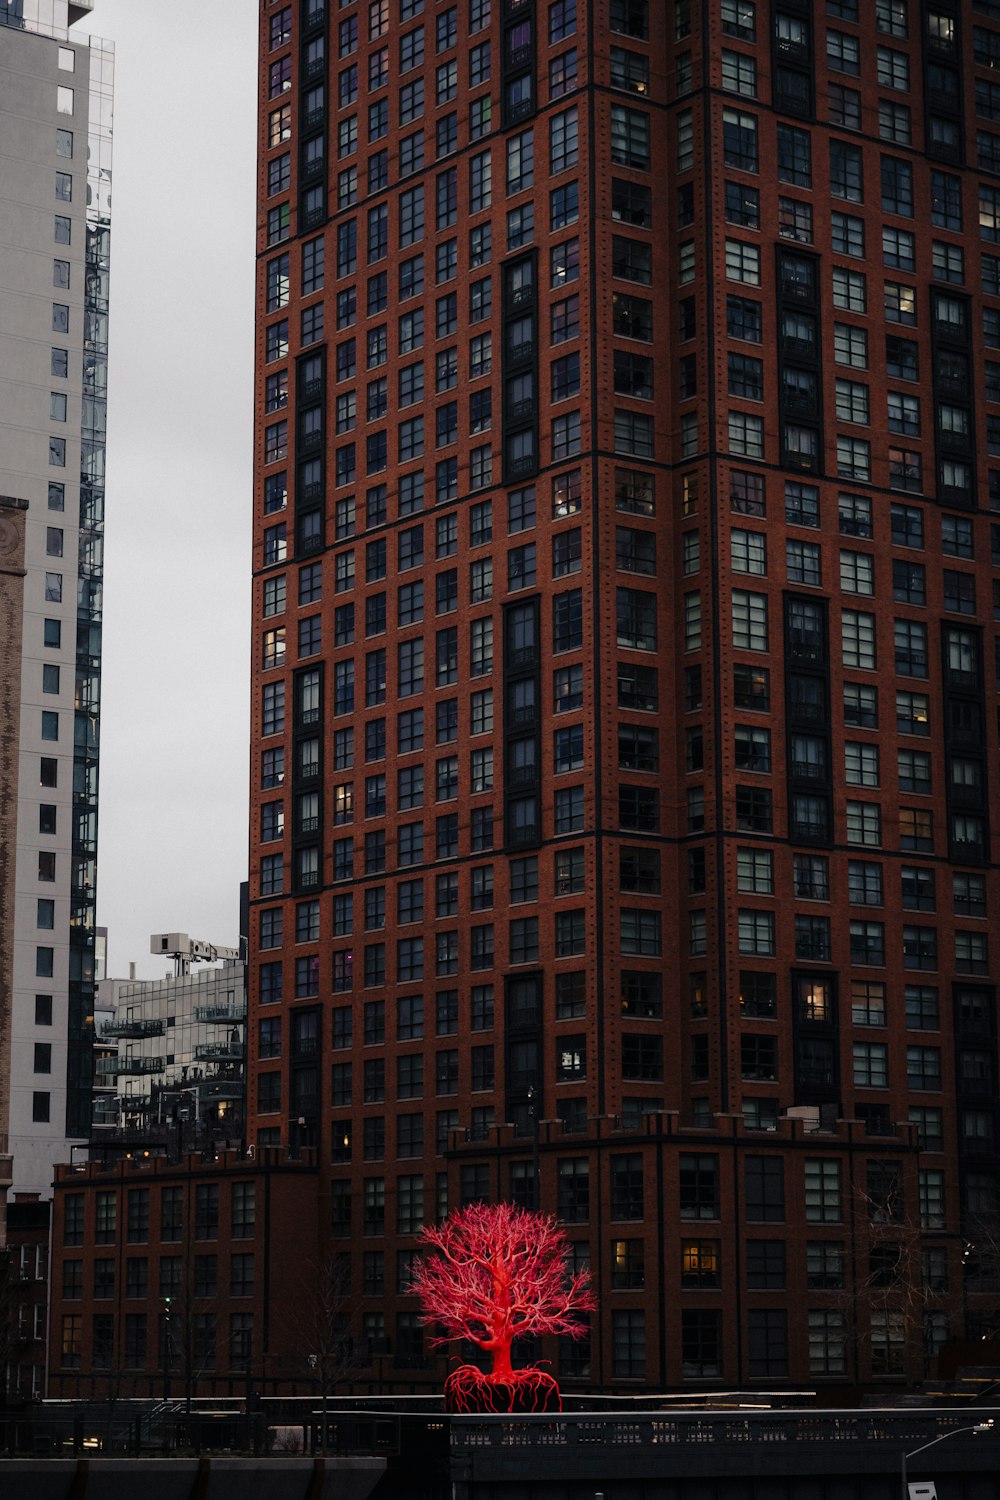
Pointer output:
644, 1428
657, 1432
132, 1028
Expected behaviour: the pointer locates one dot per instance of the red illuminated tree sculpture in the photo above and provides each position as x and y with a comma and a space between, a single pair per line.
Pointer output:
497, 1273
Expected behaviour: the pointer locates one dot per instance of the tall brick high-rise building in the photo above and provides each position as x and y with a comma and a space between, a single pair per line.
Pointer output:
624, 675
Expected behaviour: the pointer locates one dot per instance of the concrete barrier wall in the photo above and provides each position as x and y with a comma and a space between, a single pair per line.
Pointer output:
189, 1478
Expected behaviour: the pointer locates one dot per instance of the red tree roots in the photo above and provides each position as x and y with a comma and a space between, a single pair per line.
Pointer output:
468, 1391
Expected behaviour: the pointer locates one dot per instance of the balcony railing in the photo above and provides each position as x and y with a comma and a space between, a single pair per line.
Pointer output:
218, 1051
791, 51
795, 289
809, 770
153, 1026
220, 1014
520, 110
130, 1066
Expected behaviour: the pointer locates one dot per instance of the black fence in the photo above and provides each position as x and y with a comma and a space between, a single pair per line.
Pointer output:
128, 1429
896, 1430
735, 1455
618, 1448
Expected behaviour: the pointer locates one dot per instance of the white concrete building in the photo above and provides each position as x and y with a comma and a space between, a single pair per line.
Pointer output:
55, 189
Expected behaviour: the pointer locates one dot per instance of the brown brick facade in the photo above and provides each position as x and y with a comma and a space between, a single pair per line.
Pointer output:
201, 1277
623, 733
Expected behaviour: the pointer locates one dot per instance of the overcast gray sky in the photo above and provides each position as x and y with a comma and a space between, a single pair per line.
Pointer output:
174, 730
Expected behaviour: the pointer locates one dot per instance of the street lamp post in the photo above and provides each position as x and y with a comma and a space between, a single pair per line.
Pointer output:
533, 1116
167, 1349
905, 1457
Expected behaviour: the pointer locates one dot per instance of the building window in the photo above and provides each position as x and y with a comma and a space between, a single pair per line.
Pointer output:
749, 621
640, 932
629, 1344
823, 1191
739, 138
699, 1186
573, 1190
827, 1342
767, 1342
765, 1263
764, 1189
701, 1343
871, 1065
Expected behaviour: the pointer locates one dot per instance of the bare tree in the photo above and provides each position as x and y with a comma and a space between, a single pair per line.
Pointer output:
321, 1328
187, 1338
901, 1286
12, 1333
981, 1272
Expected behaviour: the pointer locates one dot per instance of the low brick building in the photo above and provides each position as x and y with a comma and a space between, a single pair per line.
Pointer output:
200, 1276
24, 1265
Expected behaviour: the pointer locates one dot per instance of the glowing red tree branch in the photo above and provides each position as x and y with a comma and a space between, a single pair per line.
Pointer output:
499, 1274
